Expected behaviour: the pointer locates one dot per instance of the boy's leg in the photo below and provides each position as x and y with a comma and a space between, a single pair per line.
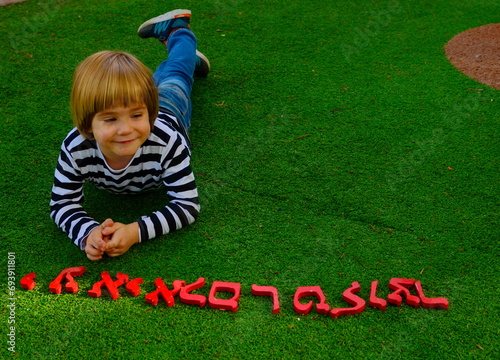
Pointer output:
174, 76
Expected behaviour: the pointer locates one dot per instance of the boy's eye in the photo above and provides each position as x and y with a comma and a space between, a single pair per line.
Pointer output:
109, 120
138, 115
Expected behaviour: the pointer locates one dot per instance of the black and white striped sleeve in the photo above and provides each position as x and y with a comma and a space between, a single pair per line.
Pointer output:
179, 180
67, 197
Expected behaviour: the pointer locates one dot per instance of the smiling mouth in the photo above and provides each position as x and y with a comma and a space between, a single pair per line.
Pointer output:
125, 142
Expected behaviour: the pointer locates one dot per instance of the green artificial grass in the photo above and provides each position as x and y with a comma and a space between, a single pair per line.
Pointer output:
333, 143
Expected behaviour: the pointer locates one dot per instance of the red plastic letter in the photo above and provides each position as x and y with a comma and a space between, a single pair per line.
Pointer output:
268, 291
375, 301
27, 281
111, 285
163, 291
133, 287
67, 274
402, 286
322, 307
193, 299
430, 302
223, 304
348, 296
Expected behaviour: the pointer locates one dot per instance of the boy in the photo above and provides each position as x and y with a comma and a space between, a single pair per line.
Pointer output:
131, 136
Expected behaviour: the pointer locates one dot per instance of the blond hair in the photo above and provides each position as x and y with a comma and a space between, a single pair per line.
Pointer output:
107, 79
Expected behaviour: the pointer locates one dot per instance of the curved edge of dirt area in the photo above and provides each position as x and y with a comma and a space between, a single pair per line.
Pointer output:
476, 53
8, 2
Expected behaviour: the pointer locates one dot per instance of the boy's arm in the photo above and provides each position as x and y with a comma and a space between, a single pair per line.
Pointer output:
183, 207
67, 196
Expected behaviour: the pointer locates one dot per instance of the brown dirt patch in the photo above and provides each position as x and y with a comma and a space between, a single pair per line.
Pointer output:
8, 2
476, 52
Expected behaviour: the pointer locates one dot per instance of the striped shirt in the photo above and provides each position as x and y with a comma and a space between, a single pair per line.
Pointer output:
163, 160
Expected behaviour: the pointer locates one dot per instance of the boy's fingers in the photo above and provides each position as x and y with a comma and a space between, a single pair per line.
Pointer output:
107, 222
108, 230
94, 258
112, 254
110, 251
111, 245
93, 253
95, 250
100, 246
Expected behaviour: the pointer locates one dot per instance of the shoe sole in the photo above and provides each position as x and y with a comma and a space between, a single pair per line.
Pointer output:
174, 14
199, 54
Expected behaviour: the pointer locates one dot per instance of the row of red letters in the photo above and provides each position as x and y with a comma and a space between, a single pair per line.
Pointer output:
401, 288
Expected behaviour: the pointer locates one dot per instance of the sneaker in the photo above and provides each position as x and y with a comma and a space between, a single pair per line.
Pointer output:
202, 67
161, 26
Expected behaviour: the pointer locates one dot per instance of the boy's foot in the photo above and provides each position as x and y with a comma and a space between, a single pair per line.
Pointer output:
202, 67
161, 26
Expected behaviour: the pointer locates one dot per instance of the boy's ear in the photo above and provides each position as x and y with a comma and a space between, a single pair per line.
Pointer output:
88, 134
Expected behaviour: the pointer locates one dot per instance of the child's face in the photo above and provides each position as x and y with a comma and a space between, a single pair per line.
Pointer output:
120, 131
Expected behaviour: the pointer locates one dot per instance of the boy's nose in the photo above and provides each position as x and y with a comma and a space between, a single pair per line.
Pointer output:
125, 128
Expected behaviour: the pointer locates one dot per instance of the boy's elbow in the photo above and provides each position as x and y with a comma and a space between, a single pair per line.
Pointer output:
195, 213
53, 210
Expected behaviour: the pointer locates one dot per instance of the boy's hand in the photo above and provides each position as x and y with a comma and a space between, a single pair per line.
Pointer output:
95, 244
122, 238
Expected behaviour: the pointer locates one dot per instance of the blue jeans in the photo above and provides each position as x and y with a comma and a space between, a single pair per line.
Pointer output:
174, 76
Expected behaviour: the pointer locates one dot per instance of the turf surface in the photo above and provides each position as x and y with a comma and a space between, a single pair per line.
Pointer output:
333, 142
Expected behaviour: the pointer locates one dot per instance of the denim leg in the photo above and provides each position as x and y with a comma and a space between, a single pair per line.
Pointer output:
174, 76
